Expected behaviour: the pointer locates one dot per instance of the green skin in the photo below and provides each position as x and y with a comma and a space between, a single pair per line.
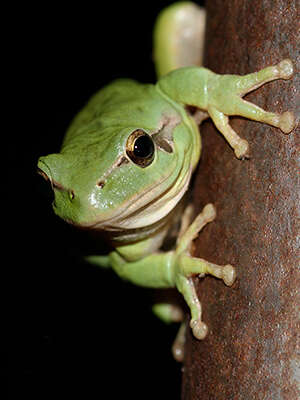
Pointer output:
98, 185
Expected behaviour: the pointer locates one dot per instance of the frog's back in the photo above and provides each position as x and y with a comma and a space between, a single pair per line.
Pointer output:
121, 103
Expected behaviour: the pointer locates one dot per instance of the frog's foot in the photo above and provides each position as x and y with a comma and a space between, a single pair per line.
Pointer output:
187, 266
179, 37
235, 88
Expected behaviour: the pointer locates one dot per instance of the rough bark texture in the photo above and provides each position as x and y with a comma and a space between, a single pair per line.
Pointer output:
252, 350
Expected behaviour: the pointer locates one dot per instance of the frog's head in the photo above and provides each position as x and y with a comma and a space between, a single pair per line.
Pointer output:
123, 179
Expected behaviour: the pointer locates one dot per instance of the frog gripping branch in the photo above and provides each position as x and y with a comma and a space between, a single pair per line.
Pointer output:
123, 170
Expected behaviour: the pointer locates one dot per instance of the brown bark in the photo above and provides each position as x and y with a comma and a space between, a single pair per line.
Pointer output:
252, 349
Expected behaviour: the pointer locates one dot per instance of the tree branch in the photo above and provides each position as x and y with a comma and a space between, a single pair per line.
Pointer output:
251, 349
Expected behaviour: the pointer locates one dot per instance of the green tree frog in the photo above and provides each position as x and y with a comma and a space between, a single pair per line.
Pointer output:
127, 159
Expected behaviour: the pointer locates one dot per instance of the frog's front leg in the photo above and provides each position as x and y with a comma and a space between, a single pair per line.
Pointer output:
221, 96
175, 269
225, 99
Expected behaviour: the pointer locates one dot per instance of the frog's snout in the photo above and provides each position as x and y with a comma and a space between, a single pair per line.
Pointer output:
56, 185
43, 174
49, 168
44, 170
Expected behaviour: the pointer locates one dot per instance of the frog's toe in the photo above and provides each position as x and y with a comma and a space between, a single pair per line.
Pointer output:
178, 345
178, 352
229, 274
241, 150
199, 328
207, 215
287, 122
209, 212
285, 69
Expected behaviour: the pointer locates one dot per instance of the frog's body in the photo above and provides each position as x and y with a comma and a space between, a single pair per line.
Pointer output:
127, 160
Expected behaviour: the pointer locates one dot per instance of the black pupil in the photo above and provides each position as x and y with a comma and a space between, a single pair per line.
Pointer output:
143, 147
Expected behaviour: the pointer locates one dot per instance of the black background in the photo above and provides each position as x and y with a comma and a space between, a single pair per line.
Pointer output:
73, 329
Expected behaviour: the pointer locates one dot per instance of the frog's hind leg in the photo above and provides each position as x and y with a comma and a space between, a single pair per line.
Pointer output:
178, 39
235, 88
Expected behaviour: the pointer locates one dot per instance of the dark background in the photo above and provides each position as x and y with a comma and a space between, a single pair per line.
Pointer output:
73, 329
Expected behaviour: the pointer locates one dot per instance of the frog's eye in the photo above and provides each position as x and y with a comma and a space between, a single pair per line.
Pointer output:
140, 148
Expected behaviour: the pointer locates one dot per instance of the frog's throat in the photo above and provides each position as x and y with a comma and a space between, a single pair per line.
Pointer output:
150, 211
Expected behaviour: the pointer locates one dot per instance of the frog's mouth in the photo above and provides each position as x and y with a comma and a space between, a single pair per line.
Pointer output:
148, 207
